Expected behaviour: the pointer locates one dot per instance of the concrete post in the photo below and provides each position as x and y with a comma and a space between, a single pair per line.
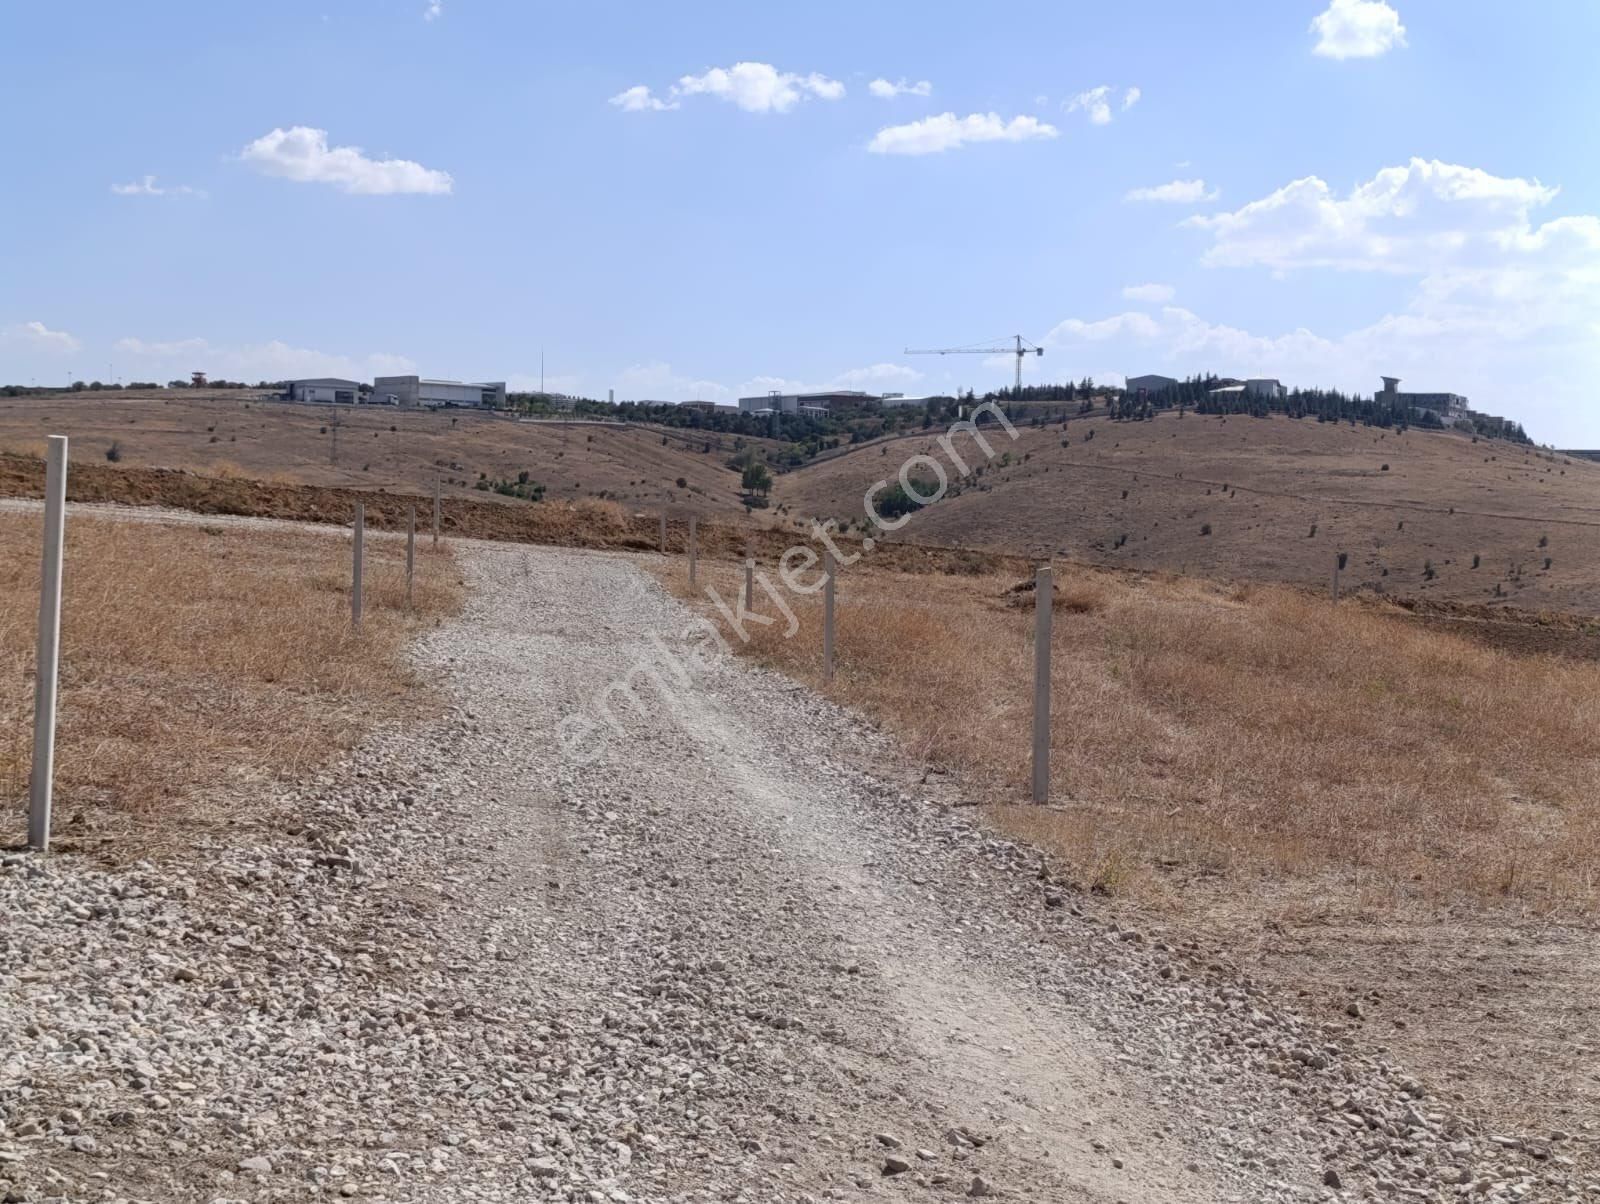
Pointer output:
663, 532
1042, 602
411, 550
435, 511
749, 583
827, 616
1338, 566
47, 666
356, 566
693, 549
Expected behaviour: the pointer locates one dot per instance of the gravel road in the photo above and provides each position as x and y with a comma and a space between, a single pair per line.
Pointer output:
703, 936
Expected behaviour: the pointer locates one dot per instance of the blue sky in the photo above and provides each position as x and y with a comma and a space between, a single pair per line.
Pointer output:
1319, 192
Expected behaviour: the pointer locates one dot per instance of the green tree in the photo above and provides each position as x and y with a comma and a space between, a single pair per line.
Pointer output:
756, 479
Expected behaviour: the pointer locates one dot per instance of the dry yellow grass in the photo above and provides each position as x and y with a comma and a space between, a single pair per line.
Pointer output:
1258, 733
194, 657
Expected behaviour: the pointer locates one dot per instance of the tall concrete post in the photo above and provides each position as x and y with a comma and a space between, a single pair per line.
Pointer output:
693, 549
356, 556
749, 583
41, 785
411, 550
1042, 614
827, 616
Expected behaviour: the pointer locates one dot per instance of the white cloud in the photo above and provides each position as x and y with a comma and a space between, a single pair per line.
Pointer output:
876, 376
1176, 192
147, 186
272, 360
657, 381
303, 154
1130, 98
36, 336
1412, 218
639, 99
884, 90
1096, 102
759, 87
434, 10
947, 132
1357, 29
1157, 293
135, 346
1490, 301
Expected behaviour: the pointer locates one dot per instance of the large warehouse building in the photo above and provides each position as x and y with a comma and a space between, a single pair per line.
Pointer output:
413, 392
323, 388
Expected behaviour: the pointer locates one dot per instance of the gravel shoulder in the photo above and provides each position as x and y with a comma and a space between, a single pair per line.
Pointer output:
637, 922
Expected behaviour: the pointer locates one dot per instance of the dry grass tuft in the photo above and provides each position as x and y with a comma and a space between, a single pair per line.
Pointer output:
198, 656
1203, 731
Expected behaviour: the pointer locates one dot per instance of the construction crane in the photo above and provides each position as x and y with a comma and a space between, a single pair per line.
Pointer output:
1020, 348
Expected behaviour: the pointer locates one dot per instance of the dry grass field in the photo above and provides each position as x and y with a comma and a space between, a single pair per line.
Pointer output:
197, 660
247, 437
1261, 500
1327, 795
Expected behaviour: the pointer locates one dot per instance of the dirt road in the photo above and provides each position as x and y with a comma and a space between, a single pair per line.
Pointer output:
641, 923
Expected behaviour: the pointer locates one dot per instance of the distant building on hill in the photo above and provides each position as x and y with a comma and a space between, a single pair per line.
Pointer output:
324, 389
1265, 386
1448, 406
412, 392
1150, 385
815, 405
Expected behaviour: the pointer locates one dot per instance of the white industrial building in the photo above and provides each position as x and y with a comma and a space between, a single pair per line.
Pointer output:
810, 404
1263, 386
897, 401
413, 392
324, 389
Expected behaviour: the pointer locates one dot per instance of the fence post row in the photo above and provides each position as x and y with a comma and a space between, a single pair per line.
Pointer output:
827, 616
1042, 602
411, 550
356, 566
693, 549
46, 671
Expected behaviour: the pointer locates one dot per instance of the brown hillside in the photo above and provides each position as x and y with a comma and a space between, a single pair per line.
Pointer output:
379, 447
1239, 497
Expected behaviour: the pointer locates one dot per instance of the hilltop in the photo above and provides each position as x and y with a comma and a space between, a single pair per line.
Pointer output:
1271, 499
246, 434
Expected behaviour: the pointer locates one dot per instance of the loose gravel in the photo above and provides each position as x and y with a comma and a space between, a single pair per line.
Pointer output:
691, 938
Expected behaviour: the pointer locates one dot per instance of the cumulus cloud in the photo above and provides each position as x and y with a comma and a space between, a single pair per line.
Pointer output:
1489, 300
884, 90
147, 186
303, 154
271, 360
1158, 293
1096, 102
1130, 98
36, 336
433, 11
1176, 192
759, 87
1407, 218
1357, 29
945, 132
639, 99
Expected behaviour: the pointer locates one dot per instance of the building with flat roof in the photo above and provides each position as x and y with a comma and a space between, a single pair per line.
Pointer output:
1448, 406
323, 388
1265, 386
414, 392
813, 404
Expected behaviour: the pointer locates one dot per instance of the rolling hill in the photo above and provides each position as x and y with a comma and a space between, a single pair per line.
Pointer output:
1419, 514
242, 434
